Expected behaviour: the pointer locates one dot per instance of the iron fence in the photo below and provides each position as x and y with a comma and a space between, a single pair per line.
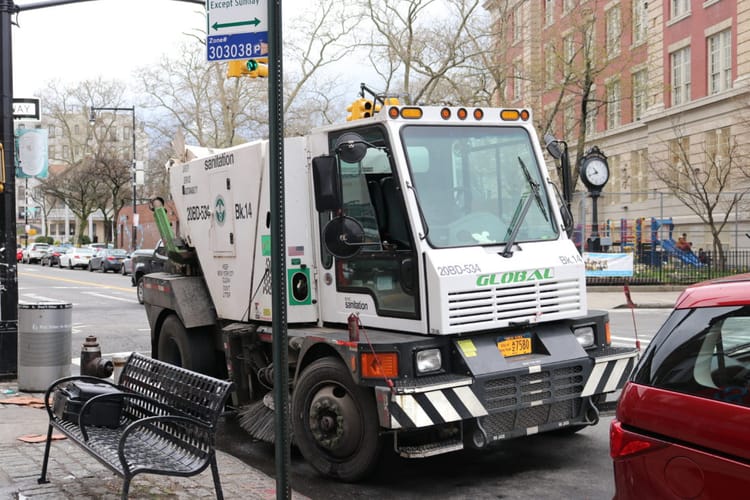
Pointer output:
665, 268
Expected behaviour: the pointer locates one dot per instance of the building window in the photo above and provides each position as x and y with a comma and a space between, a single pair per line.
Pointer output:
720, 62
569, 118
549, 66
680, 61
614, 32
639, 94
66, 152
517, 22
591, 114
638, 175
679, 162
569, 49
679, 8
640, 21
51, 132
568, 5
717, 156
614, 103
549, 12
517, 82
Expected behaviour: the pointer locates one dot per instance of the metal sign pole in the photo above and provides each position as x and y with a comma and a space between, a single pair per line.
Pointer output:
278, 249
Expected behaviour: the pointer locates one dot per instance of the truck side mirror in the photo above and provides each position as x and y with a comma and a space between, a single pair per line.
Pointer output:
351, 147
343, 237
327, 183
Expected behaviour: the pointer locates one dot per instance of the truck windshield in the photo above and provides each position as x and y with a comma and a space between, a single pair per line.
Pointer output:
470, 182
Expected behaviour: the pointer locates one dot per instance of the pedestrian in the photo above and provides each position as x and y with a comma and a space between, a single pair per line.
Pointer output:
683, 244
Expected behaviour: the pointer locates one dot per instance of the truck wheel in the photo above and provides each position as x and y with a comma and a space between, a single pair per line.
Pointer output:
335, 421
189, 349
139, 290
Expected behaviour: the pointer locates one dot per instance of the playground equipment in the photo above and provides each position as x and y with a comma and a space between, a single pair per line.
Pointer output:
648, 249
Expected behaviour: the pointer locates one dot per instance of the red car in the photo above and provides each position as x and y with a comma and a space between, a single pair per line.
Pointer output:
19, 254
682, 428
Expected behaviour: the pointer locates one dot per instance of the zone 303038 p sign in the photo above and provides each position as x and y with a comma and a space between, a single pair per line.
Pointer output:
236, 30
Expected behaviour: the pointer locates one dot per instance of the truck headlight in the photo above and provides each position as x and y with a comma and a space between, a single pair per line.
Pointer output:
585, 336
429, 360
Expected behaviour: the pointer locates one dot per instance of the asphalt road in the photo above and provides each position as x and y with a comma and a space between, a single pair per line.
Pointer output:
104, 305
538, 467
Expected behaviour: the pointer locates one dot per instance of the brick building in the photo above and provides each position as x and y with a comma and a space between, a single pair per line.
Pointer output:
669, 98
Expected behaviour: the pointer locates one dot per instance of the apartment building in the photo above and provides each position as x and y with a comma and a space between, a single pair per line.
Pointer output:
665, 84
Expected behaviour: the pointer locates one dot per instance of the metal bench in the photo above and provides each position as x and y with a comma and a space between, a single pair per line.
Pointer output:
167, 422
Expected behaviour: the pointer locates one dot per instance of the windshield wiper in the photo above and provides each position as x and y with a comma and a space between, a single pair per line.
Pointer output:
522, 209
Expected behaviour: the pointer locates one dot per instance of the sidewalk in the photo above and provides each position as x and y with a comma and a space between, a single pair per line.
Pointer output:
74, 474
613, 297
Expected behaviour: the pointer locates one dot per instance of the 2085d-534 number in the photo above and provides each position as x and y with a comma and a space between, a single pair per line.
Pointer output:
458, 269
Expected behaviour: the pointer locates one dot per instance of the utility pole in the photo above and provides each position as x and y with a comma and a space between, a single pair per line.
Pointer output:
8, 265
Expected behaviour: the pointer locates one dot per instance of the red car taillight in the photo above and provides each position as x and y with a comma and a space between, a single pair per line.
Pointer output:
623, 443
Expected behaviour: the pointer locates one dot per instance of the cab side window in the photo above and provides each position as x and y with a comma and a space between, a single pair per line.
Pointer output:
383, 268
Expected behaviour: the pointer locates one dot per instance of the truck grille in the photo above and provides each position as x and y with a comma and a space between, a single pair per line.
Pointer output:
533, 388
513, 302
515, 422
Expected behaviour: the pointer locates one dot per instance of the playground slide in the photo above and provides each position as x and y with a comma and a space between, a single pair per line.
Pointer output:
686, 257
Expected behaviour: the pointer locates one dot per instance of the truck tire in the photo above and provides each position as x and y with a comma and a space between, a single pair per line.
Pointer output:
193, 350
335, 421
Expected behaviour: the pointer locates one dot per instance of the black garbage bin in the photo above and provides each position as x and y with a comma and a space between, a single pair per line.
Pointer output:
8, 349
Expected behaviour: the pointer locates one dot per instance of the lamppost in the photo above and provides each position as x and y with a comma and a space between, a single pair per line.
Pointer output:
92, 121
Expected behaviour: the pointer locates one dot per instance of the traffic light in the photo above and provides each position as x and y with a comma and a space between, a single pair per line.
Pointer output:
253, 68
361, 108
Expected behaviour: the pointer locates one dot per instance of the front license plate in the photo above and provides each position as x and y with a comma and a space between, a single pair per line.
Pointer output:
515, 346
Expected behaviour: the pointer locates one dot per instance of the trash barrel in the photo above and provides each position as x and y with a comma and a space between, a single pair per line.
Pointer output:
44, 343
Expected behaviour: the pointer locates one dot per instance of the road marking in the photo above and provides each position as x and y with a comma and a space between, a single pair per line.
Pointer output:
111, 297
77, 282
41, 297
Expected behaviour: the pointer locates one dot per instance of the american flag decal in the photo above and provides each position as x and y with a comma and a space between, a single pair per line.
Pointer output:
295, 251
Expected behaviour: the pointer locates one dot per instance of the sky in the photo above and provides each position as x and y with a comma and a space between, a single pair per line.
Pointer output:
110, 38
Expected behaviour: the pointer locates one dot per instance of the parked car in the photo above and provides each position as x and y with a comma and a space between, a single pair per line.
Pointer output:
75, 257
145, 264
681, 428
34, 252
19, 254
52, 256
127, 264
107, 259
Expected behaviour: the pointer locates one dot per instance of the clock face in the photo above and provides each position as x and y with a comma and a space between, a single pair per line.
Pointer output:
596, 172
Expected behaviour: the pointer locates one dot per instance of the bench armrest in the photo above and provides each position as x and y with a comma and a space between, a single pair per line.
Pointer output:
204, 432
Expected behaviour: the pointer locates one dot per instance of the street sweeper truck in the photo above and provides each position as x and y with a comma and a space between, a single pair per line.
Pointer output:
434, 297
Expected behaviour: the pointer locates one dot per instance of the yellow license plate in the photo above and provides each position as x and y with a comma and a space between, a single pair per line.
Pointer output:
515, 346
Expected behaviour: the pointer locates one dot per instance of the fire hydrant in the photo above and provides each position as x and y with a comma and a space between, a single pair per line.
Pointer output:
92, 363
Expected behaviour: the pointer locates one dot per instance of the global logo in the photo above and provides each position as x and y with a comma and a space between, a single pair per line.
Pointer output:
220, 210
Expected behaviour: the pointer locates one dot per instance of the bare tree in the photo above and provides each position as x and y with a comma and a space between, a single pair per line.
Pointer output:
99, 150
78, 188
703, 176
571, 72
429, 51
